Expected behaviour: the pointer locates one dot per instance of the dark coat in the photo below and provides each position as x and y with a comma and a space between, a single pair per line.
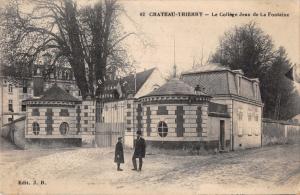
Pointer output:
119, 154
140, 148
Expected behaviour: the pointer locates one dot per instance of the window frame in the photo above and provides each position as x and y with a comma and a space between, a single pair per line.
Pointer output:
36, 128
65, 125
161, 126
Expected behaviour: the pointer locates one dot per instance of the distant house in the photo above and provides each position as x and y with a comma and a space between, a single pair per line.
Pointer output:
295, 119
240, 94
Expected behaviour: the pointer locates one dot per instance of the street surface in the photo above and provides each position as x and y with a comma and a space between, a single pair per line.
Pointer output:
273, 169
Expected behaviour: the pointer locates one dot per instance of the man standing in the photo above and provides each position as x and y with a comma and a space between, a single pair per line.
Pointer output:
139, 151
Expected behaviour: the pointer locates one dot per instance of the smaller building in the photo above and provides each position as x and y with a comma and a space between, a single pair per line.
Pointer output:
177, 115
53, 116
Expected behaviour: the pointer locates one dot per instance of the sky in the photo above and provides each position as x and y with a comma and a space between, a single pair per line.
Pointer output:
195, 35
198, 36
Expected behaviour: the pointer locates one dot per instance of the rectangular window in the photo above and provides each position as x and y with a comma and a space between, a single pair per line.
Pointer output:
24, 89
35, 112
240, 131
128, 105
86, 114
23, 108
79, 93
86, 107
128, 129
162, 110
86, 122
249, 116
10, 106
64, 112
128, 121
128, 113
240, 116
10, 88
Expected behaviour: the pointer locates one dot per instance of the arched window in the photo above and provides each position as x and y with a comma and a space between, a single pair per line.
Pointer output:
35, 128
64, 128
162, 129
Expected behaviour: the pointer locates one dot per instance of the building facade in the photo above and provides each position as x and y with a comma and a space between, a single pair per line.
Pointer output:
240, 94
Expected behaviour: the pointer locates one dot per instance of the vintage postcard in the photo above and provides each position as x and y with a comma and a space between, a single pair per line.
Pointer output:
150, 97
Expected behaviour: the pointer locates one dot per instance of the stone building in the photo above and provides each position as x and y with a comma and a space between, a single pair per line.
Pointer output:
53, 116
240, 94
178, 116
213, 107
13, 92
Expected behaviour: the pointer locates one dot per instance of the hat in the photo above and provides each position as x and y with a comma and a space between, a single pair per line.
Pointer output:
119, 138
139, 132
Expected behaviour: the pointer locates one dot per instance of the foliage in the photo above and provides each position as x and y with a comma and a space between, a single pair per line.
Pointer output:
87, 38
248, 48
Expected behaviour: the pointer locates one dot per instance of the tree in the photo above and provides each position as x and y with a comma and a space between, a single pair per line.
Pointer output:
88, 38
278, 90
248, 48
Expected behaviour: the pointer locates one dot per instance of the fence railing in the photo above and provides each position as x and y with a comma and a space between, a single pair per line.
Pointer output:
107, 133
279, 132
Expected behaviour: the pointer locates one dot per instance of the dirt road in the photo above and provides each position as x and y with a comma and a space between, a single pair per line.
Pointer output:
86, 170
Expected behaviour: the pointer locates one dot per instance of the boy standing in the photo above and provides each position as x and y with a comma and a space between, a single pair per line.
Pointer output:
119, 154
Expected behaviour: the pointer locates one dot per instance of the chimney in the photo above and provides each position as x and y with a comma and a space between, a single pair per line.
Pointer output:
38, 83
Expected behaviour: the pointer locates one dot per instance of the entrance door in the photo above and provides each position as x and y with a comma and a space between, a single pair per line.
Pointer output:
222, 135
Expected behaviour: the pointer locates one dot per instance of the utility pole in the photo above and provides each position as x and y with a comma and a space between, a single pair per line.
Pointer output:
174, 66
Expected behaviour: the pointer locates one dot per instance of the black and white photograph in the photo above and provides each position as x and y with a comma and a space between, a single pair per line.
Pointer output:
149, 97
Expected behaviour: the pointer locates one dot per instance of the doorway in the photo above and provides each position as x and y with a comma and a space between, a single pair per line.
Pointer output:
222, 135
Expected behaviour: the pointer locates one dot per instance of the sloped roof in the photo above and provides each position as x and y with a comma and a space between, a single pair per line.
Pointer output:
127, 83
174, 87
55, 93
223, 82
207, 68
141, 78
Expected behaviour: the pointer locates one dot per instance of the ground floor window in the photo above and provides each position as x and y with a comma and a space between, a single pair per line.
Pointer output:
35, 128
64, 128
162, 129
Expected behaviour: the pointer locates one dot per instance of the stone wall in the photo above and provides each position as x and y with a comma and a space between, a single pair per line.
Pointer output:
49, 120
186, 120
15, 133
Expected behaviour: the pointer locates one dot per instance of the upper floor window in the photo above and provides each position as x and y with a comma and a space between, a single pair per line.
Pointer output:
24, 89
23, 108
256, 117
10, 88
249, 116
10, 105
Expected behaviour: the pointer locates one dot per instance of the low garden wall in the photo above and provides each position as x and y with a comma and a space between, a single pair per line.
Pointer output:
279, 132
